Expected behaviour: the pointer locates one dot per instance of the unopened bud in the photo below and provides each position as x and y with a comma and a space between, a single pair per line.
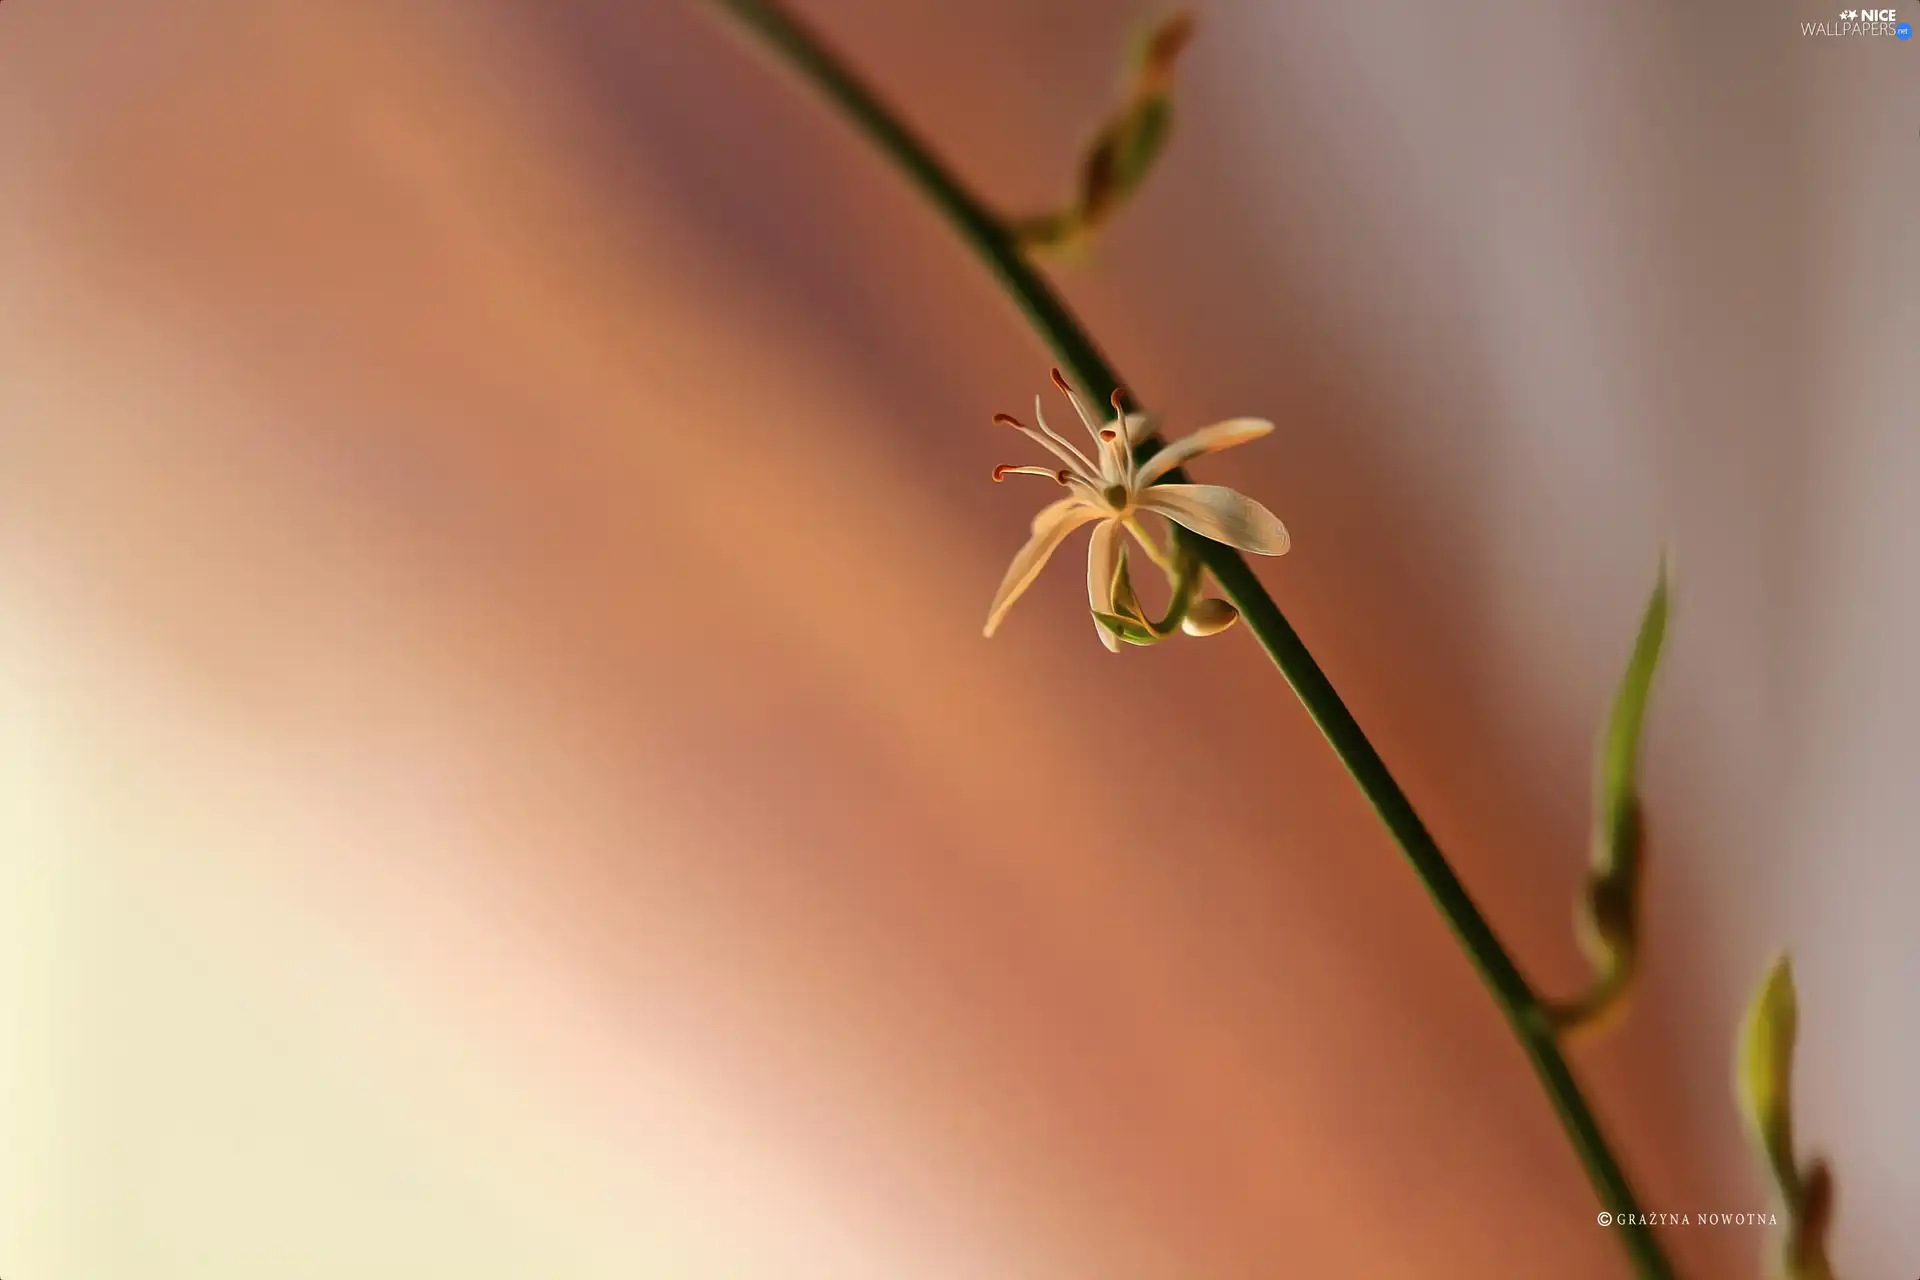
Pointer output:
1209, 617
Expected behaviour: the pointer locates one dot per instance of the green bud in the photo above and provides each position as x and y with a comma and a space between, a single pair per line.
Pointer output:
1764, 1074
1122, 153
1607, 914
1763, 1085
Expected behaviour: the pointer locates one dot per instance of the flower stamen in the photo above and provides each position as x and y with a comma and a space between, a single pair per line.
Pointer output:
1006, 469
1048, 439
1127, 468
1073, 398
1116, 458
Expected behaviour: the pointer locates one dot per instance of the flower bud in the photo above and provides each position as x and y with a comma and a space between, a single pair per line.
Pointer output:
1209, 617
1121, 154
1763, 1077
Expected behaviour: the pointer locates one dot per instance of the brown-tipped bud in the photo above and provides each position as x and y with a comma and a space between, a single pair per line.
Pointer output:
1117, 159
1209, 617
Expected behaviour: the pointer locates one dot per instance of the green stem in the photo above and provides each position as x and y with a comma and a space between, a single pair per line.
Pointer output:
997, 248
1160, 558
1186, 581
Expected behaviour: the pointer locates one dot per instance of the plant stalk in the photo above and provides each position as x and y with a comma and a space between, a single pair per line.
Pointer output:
997, 248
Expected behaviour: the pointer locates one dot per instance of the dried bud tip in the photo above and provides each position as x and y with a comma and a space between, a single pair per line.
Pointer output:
1169, 40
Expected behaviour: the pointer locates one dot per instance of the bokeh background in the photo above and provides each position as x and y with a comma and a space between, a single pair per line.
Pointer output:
500, 776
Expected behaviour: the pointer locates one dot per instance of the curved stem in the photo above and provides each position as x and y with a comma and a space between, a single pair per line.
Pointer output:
999, 251
1186, 581
1147, 544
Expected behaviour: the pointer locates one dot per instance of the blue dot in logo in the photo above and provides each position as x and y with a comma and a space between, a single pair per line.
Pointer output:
1904, 31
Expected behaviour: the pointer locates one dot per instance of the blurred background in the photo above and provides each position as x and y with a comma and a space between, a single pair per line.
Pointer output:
500, 775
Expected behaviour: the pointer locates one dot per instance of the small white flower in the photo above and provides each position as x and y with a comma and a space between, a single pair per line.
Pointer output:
1116, 490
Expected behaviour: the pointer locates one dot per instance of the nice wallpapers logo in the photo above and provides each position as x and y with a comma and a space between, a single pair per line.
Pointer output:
1862, 22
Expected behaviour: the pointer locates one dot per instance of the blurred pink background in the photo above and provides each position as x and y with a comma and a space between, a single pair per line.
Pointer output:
500, 776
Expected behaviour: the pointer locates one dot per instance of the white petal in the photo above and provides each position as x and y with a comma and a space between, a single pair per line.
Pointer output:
1103, 559
1047, 515
1217, 512
1221, 435
1050, 529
